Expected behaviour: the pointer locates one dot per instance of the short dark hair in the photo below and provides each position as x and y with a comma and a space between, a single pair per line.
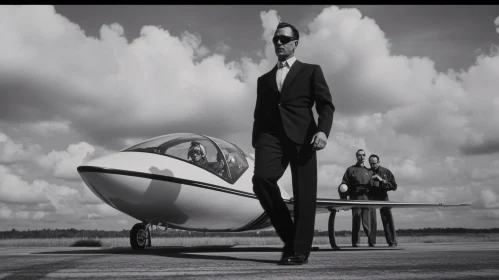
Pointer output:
359, 151
282, 24
374, 156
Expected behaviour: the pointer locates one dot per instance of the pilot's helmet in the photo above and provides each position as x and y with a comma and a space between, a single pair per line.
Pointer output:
198, 148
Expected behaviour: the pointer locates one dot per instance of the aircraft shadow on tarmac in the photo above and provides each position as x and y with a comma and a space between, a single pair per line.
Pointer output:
174, 252
187, 252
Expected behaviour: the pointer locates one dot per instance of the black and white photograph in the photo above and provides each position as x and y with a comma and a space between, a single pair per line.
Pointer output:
249, 141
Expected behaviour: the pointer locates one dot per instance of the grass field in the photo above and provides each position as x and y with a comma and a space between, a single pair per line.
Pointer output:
248, 241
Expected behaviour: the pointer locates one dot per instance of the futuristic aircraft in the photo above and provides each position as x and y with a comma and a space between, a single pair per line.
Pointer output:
163, 182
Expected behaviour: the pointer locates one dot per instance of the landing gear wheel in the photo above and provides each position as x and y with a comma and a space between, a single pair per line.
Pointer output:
140, 236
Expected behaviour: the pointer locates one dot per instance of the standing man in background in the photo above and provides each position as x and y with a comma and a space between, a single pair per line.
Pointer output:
357, 179
285, 133
381, 182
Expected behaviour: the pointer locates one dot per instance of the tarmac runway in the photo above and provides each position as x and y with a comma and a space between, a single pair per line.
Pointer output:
407, 261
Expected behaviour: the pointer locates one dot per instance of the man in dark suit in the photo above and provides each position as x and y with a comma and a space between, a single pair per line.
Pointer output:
381, 182
285, 133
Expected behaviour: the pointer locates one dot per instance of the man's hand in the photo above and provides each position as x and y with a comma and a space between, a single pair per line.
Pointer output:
377, 178
319, 141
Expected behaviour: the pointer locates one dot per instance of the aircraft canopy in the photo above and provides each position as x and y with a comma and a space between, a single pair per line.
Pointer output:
188, 146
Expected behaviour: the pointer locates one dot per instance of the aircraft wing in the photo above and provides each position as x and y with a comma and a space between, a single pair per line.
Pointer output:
324, 204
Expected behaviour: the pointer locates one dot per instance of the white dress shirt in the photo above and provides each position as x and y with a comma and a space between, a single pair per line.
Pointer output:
282, 72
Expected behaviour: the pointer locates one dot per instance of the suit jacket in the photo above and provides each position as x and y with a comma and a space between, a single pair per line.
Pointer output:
303, 87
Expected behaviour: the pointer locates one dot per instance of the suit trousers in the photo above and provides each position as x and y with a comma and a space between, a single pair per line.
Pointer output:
388, 225
357, 214
273, 153
386, 219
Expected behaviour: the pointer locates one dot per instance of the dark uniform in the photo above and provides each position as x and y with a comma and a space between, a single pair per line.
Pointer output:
378, 191
357, 179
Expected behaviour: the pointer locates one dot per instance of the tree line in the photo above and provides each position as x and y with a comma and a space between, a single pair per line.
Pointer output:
157, 232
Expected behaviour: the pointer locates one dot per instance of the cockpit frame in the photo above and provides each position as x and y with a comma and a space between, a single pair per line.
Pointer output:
162, 148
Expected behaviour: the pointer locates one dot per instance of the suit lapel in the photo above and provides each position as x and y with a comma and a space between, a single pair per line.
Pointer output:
297, 66
272, 79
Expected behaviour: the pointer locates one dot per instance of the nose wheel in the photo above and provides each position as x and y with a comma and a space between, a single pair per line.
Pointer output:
140, 236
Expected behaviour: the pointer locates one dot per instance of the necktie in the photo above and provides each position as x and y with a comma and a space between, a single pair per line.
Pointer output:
281, 75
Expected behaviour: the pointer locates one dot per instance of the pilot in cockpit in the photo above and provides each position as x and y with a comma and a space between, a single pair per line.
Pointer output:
197, 154
232, 162
220, 167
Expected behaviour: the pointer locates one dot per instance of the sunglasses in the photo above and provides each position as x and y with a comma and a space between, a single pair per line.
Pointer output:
283, 39
195, 152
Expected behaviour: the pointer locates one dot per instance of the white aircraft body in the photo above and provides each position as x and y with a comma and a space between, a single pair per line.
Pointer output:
155, 182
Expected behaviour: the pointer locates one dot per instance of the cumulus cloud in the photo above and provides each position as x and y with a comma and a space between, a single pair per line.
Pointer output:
367, 123
222, 47
8, 214
486, 200
63, 164
406, 168
359, 64
341, 148
405, 93
140, 90
15, 190
13, 152
109, 88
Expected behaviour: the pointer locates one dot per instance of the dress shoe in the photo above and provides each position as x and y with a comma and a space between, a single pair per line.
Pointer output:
355, 245
297, 259
393, 245
284, 260
287, 253
336, 248
372, 245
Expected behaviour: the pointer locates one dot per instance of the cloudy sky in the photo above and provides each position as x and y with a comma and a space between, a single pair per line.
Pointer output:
417, 85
